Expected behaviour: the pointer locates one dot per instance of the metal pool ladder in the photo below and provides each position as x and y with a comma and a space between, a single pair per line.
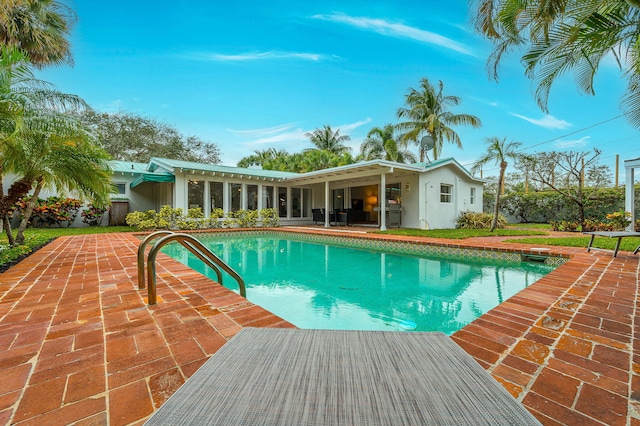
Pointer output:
190, 243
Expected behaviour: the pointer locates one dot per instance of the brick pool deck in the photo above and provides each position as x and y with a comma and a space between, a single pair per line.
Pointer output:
78, 345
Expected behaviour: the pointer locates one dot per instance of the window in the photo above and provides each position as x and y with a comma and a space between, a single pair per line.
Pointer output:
196, 194
216, 192
445, 193
338, 199
267, 197
236, 196
306, 203
296, 202
472, 196
393, 193
121, 188
282, 201
252, 197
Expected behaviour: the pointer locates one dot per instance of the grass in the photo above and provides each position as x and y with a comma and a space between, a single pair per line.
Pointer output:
34, 238
529, 226
457, 234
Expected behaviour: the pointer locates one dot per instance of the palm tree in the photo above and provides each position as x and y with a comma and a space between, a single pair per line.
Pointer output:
327, 140
498, 151
382, 144
428, 112
70, 161
32, 116
559, 36
258, 158
39, 28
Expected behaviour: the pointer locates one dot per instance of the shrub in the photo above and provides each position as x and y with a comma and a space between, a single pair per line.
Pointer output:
270, 217
92, 215
51, 211
473, 220
214, 218
143, 220
619, 220
564, 225
170, 218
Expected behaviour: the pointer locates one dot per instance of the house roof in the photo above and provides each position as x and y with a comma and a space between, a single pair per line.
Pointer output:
355, 170
172, 166
432, 165
140, 170
164, 170
126, 167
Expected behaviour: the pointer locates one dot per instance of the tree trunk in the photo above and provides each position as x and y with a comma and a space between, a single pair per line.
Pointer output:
6, 224
496, 210
27, 213
17, 190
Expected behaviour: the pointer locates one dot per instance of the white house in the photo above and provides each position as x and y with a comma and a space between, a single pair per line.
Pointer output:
377, 192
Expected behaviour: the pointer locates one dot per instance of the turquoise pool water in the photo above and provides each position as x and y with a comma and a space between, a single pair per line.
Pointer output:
317, 285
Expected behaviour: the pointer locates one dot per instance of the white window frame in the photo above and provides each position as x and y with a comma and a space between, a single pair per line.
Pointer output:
446, 196
472, 195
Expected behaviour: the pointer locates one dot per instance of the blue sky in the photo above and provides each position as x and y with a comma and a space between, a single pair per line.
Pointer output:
254, 75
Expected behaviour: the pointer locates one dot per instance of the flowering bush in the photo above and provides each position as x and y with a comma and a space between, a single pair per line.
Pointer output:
92, 215
620, 219
52, 211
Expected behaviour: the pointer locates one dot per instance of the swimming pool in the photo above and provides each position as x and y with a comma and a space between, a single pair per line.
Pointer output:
314, 284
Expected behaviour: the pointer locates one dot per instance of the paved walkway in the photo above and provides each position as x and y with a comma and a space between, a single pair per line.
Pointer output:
79, 345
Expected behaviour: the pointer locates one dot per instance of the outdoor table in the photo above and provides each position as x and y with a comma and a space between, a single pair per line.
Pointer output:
321, 377
611, 234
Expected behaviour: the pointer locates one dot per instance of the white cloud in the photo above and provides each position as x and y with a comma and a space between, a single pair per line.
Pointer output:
485, 101
548, 121
576, 143
398, 30
260, 132
255, 56
287, 134
350, 127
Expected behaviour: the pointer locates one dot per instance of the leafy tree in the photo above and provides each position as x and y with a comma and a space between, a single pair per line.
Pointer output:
498, 151
559, 36
327, 140
428, 112
577, 176
381, 143
39, 28
129, 137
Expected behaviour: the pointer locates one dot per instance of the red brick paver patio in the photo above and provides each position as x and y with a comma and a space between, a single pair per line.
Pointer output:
79, 345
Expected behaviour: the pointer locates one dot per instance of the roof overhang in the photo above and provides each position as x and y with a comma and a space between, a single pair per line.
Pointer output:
152, 177
354, 171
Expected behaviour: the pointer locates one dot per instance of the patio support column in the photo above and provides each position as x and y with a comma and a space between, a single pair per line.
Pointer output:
326, 205
629, 193
383, 202
226, 197
206, 199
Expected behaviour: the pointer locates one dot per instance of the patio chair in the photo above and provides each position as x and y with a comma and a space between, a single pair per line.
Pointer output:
318, 216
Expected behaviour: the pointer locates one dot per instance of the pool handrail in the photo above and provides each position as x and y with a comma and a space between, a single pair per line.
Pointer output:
188, 246
141, 247
196, 247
